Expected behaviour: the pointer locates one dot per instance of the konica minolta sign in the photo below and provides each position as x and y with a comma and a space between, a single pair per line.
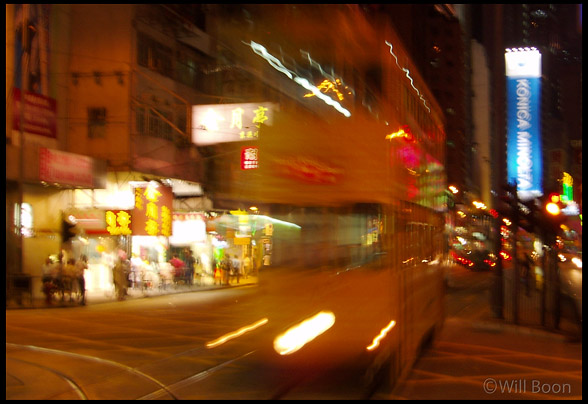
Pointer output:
523, 94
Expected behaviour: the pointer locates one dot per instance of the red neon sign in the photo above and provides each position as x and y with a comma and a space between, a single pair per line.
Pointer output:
249, 158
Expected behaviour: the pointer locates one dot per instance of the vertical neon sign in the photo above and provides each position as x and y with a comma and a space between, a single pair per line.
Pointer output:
523, 149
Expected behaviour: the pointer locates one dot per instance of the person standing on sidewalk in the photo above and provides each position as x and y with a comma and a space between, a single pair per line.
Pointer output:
190, 263
246, 266
178, 267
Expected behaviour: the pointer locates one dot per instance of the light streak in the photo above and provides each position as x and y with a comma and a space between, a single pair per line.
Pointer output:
272, 60
278, 221
408, 75
383, 333
317, 65
276, 64
329, 101
227, 337
330, 77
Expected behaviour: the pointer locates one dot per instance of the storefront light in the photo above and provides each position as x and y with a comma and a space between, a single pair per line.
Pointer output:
121, 199
26, 216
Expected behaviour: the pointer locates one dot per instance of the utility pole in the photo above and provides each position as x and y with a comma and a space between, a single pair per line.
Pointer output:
24, 83
515, 255
497, 295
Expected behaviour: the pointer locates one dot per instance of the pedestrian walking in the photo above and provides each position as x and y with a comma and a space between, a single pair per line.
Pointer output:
49, 279
58, 277
226, 268
81, 267
237, 268
217, 271
68, 277
266, 260
198, 271
119, 278
526, 264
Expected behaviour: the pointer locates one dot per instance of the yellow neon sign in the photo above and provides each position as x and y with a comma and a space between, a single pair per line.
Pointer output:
328, 85
118, 223
401, 133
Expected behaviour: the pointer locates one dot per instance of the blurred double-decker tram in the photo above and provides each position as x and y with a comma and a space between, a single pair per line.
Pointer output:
345, 167
350, 247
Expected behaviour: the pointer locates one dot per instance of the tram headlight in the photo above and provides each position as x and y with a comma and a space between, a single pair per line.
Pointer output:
301, 334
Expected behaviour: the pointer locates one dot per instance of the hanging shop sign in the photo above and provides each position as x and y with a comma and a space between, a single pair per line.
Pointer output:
221, 123
524, 157
152, 215
70, 169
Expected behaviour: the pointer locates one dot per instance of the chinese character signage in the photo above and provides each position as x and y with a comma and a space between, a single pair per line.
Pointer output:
38, 114
118, 222
523, 93
249, 158
152, 215
221, 123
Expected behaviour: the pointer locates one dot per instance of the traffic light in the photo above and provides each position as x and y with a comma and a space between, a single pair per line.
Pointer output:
552, 213
68, 230
553, 207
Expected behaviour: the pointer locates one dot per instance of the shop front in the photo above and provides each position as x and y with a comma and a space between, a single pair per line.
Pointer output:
189, 233
137, 235
101, 246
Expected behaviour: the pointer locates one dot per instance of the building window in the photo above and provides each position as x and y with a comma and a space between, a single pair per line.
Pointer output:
96, 123
154, 122
154, 56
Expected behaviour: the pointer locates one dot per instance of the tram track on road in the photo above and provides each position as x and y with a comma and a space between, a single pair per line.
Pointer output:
76, 384
78, 390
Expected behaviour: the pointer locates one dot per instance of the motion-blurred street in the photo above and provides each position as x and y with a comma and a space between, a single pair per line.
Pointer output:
156, 348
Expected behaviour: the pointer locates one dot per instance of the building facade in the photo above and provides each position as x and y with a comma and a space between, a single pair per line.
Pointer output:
133, 88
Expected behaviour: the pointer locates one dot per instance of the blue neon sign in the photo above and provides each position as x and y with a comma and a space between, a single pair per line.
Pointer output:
524, 157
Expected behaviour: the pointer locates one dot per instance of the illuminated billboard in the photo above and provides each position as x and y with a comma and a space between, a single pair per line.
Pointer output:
523, 93
222, 123
152, 215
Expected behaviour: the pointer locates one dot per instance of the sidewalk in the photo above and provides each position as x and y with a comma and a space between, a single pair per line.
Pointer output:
480, 357
488, 360
98, 297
